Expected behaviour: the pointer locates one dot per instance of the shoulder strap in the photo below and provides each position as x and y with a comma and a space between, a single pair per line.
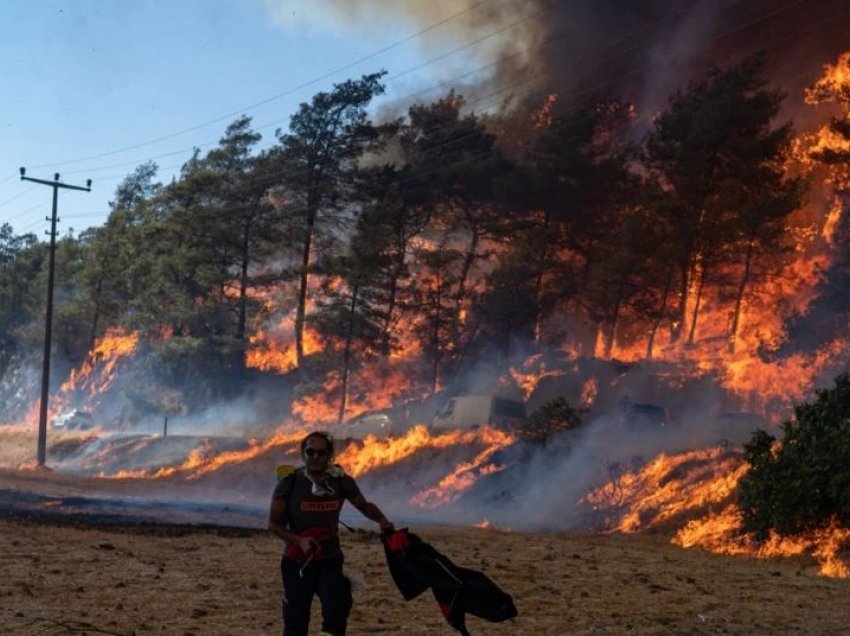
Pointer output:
288, 472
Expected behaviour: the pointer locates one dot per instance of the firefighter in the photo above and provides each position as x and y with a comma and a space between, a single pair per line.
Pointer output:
304, 512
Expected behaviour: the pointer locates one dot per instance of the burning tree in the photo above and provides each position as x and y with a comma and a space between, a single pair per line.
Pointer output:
574, 185
720, 161
317, 159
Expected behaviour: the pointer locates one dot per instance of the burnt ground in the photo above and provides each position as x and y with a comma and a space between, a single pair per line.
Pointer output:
69, 569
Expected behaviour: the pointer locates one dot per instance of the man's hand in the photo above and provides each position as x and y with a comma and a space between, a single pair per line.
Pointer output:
306, 545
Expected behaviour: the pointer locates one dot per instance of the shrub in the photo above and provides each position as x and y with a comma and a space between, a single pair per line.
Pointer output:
803, 482
555, 416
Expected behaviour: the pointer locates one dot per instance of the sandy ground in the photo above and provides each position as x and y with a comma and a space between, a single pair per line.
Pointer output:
71, 579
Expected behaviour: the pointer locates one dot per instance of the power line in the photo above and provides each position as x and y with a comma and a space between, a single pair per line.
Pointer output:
587, 90
285, 93
275, 122
18, 196
23, 212
406, 98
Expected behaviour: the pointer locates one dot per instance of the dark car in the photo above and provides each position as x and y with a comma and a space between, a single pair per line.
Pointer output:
645, 417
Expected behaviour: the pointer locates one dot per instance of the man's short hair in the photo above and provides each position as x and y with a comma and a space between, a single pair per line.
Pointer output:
329, 442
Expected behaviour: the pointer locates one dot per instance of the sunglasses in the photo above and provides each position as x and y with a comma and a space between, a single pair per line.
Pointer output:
315, 452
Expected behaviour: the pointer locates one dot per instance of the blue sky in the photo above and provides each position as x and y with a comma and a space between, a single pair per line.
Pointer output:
84, 81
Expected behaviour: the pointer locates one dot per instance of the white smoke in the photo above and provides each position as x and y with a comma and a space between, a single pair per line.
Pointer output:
465, 45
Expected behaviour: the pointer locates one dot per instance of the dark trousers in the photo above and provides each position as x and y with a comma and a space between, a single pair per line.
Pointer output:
323, 578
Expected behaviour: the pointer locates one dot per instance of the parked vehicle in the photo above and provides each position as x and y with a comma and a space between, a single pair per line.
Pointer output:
74, 419
644, 417
472, 411
378, 424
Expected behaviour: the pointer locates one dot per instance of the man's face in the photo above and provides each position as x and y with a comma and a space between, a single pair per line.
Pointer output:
316, 454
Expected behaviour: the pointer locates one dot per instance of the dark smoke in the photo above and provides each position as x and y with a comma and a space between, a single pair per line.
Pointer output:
640, 52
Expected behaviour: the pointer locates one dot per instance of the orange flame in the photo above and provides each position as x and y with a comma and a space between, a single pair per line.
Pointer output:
464, 476
670, 487
205, 459
533, 371
107, 352
359, 458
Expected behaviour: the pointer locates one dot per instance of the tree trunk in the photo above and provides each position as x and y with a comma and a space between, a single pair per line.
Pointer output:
96, 317
736, 319
682, 310
346, 358
435, 338
651, 341
697, 303
391, 301
243, 283
469, 259
301, 311
615, 319
538, 282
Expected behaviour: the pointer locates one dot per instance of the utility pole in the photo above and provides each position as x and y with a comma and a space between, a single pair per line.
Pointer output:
48, 321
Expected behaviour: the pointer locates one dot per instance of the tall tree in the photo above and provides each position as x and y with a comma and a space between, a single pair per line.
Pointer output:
111, 270
21, 262
705, 149
395, 210
458, 157
346, 316
433, 303
318, 158
578, 184
242, 228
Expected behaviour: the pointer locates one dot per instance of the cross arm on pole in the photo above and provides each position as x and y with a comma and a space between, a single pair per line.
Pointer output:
56, 183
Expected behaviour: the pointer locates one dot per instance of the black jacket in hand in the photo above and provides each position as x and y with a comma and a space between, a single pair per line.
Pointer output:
416, 566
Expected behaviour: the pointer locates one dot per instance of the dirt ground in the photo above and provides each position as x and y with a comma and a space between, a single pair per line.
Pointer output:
61, 579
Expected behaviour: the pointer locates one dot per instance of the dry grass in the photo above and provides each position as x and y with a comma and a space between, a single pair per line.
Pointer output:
63, 579
66, 580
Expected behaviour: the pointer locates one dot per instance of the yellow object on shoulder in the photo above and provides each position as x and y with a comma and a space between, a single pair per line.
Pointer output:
284, 470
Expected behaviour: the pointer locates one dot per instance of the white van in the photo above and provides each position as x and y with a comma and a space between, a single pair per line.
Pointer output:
472, 411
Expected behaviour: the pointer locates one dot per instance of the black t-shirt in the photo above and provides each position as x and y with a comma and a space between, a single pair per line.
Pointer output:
306, 509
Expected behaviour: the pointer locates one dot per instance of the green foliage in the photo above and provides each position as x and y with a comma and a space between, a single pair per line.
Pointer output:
431, 223
22, 297
804, 482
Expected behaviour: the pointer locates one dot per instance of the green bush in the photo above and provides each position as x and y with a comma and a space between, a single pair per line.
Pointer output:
803, 482
555, 416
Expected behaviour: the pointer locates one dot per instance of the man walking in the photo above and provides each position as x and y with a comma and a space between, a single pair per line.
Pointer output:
305, 512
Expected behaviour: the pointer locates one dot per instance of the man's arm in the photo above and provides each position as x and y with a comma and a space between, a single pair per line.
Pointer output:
277, 526
372, 512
